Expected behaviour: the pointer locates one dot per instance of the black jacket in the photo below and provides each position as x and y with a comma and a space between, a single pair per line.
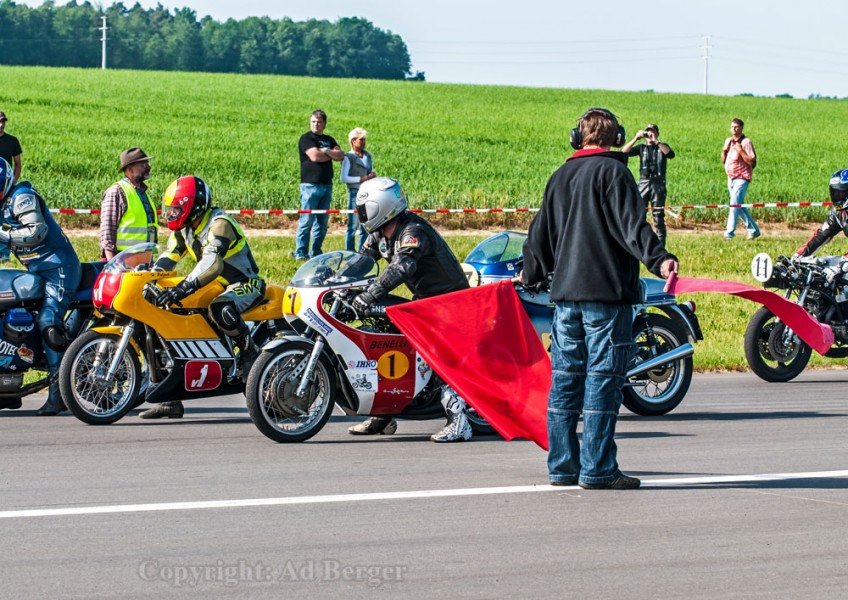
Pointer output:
591, 232
418, 256
836, 221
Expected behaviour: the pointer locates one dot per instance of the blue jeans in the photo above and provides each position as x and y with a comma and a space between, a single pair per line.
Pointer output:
738, 188
591, 344
353, 224
313, 196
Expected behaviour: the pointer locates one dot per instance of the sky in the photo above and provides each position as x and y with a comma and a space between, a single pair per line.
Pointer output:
761, 47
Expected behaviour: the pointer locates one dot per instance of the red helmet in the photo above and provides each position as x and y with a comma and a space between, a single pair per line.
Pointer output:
185, 200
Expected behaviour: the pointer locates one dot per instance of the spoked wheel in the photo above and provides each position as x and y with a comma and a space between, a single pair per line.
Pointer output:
82, 379
277, 411
479, 425
773, 351
660, 390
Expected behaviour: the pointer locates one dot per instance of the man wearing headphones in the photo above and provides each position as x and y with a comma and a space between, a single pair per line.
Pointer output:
653, 155
588, 239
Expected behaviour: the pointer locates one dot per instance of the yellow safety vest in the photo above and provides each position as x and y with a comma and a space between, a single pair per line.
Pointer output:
134, 226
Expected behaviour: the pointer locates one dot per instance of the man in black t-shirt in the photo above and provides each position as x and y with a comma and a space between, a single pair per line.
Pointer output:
10, 149
317, 151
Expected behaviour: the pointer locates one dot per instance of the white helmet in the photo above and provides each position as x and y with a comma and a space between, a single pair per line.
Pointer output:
379, 201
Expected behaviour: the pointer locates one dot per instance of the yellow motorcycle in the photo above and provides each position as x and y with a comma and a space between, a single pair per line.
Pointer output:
137, 352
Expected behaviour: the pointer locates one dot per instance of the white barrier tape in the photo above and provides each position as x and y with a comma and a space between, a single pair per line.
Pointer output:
340, 211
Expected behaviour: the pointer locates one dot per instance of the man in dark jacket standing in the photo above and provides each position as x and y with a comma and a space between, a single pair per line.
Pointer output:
589, 237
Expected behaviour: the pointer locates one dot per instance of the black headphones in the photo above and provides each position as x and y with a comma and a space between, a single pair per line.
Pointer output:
576, 138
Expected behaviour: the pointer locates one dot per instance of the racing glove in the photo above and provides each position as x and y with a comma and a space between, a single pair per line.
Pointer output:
6, 234
363, 301
172, 295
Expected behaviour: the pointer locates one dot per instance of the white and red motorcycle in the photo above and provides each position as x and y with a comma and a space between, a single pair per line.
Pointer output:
335, 356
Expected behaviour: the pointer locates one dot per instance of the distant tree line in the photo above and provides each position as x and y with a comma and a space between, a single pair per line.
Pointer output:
157, 39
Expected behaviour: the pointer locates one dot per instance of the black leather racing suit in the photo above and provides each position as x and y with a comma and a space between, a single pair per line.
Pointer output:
417, 256
836, 221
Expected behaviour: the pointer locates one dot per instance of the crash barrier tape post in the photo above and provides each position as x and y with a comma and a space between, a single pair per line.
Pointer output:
345, 211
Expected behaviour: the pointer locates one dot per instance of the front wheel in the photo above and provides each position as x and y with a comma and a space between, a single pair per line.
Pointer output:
275, 408
773, 351
89, 395
660, 390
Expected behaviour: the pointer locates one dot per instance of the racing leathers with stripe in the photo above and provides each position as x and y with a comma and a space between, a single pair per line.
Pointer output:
31, 232
837, 221
220, 248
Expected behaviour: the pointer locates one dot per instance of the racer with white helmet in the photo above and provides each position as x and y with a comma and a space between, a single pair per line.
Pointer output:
418, 257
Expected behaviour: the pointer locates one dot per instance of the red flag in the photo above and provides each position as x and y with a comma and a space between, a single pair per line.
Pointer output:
819, 336
482, 343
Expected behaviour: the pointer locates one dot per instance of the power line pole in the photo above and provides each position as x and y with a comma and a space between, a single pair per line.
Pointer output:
103, 28
706, 47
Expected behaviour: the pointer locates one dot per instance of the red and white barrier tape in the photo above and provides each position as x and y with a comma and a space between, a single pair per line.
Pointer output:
340, 211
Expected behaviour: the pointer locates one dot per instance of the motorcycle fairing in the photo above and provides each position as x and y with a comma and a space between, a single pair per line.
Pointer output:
202, 375
388, 361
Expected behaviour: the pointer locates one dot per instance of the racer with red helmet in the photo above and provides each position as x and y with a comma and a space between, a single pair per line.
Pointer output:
419, 257
217, 243
836, 221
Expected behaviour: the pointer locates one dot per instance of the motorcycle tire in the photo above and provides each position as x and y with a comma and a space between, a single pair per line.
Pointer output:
771, 357
271, 402
479, 425
90, 399
659, 391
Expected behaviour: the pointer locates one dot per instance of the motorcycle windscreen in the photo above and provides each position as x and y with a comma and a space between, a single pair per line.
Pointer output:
481, 342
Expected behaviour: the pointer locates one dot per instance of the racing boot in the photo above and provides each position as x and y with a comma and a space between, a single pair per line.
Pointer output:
374, 426
249, 352
165, 410
458, 428
54, 404
10, 403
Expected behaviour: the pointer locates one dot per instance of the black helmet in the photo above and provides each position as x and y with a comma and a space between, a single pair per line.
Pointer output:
839, 189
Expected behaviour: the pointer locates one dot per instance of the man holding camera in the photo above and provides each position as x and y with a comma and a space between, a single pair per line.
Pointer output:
653, 155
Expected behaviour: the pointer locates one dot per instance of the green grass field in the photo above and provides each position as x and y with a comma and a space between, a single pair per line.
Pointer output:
705, 254
450, 145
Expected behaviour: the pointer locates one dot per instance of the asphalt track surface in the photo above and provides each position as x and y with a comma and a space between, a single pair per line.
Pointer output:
745, 495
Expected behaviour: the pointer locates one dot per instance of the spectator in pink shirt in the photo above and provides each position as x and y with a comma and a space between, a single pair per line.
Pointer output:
739, 162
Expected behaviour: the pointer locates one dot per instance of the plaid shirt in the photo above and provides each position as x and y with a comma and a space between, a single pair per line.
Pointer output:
734, 166
112, 209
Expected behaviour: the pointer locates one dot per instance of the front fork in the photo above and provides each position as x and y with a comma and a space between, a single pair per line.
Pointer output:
317, 349
103, 353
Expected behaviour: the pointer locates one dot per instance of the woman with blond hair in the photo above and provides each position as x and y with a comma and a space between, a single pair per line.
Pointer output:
357, 167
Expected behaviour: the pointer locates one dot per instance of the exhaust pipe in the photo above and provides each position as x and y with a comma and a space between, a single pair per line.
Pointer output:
682, 351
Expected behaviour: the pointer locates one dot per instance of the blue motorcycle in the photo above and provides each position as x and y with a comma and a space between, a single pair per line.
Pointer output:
663, 329
21, 348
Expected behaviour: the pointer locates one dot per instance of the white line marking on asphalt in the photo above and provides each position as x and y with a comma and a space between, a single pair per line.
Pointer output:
291, 500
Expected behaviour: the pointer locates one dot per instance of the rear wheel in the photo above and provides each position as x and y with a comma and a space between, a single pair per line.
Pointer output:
274, 406
479, 425
89, 395
660, 390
